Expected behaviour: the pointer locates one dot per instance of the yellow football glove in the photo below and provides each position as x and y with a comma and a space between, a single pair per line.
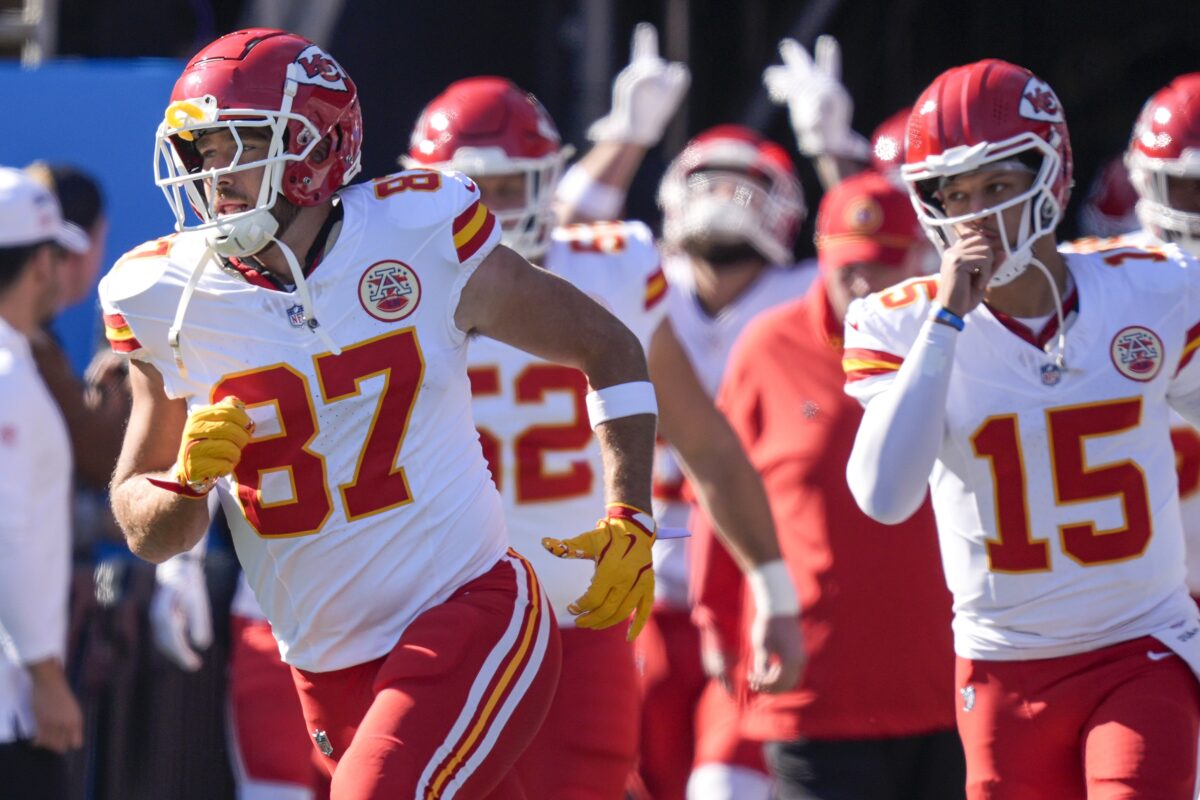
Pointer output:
213, 438
624, 577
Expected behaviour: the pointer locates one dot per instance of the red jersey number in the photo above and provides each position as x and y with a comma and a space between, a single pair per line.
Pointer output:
377, 484
1075, 481
534, 482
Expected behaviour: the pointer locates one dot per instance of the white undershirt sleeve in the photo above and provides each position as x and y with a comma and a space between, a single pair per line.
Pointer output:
902, 430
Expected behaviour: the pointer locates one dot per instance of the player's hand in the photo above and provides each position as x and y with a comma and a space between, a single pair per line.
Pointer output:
213, 438
624, 578
56, 712
646, 94
180, 614
778, 653
967, 266
819, 107
716, 657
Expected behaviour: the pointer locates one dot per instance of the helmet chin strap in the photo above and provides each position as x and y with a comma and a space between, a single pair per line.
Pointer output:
306, 302
221, 246
245, 235
1061, 341
1013, 266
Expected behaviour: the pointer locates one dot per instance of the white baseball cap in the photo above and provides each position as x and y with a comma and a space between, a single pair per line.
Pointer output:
30, 214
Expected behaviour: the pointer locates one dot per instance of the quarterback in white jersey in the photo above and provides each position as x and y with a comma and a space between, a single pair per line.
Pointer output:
1043, 454
1030, 387
303, 349
532, 420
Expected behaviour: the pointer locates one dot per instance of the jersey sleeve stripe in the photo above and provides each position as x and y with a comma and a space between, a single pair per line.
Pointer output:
119, 334
471, 229
656, 289
1189, 348
860, 363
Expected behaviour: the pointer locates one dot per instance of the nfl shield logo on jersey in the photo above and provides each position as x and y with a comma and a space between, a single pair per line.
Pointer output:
1051, 374
1137, 353
389, 291
296, 316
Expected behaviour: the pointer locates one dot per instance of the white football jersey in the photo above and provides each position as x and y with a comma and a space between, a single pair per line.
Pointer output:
707, 340
1055, 494
531, 414
363, 497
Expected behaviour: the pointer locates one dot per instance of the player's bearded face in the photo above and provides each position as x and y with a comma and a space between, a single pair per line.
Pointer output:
238, 191
218, 148
502, 193
1183, 194
721, 209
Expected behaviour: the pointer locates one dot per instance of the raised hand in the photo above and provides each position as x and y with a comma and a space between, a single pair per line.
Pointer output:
819, 106
646, 94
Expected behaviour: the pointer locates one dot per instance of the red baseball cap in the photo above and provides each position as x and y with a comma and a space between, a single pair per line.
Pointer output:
865, 218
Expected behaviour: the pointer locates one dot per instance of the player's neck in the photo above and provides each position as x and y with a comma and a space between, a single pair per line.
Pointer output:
299, 236
718, 286
1030, 294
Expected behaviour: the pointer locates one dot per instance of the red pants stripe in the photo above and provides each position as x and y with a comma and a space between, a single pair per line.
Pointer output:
450, 709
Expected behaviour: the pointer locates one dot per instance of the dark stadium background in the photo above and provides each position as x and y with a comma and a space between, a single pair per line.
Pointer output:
1103, 57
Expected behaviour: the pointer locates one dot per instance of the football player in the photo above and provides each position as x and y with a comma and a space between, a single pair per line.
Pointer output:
1028, 386
300, 346
1162, 162
732, 206
532, 420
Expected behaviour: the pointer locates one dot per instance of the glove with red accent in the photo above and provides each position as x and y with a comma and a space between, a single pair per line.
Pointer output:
213, 438
624, 578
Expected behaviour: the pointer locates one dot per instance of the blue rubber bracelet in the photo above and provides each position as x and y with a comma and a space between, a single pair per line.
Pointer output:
943, 315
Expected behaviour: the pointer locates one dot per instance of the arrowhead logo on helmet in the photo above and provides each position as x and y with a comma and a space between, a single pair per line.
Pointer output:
1038, 101
320, 69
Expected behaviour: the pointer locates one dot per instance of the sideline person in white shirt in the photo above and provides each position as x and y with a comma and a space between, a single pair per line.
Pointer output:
40, 718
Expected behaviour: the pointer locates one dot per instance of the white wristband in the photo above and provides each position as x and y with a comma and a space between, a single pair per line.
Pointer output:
590, 198
621, 400
774, 594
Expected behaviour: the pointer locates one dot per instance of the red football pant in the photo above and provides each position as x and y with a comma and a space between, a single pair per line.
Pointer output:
269, 744
668, 658
587, 746
449, 710
718, 733
1112, 723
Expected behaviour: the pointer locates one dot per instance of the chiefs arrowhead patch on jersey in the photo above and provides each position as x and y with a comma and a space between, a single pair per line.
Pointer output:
389, 291
1137, 353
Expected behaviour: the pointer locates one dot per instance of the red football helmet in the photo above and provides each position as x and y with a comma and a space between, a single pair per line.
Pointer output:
887, 145
988, 114
489, 126
282, 84
1108, 208
731, 184
1166, 144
